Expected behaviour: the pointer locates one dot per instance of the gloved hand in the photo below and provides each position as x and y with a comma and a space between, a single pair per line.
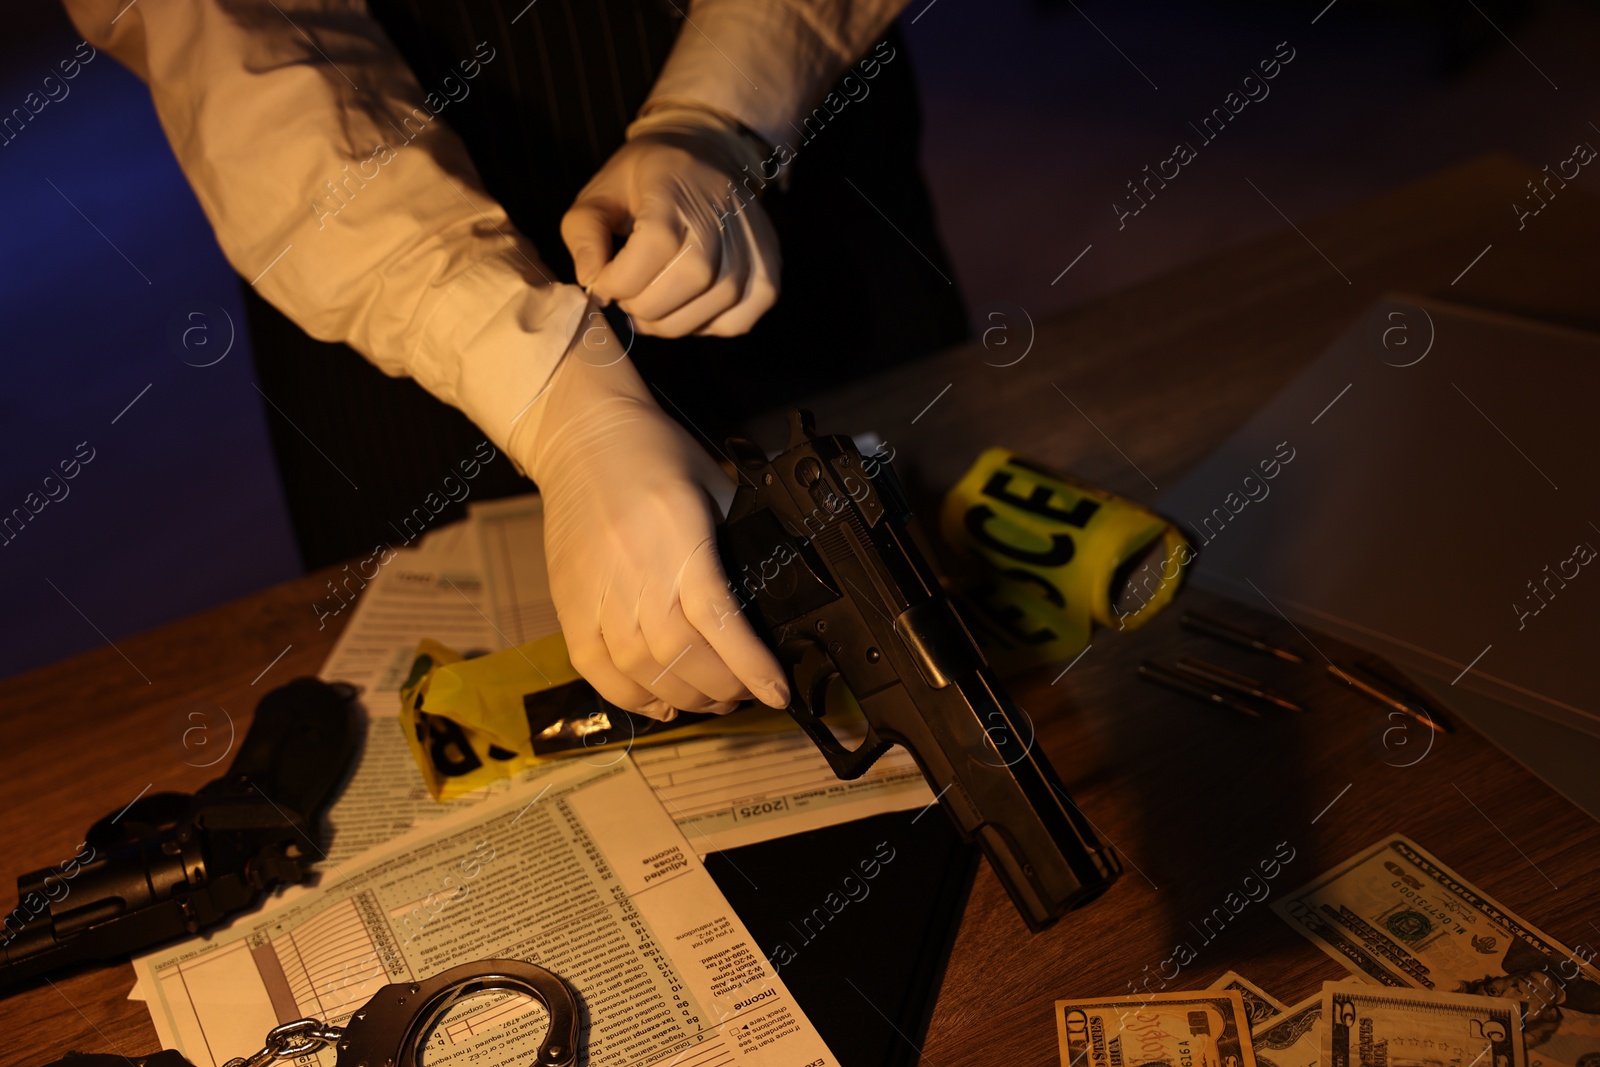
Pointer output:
630, 542
701, 255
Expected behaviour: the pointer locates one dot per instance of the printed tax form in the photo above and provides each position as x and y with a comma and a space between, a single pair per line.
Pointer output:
579, 870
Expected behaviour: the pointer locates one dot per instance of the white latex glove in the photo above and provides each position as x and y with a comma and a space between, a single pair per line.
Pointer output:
629, 501
701, 255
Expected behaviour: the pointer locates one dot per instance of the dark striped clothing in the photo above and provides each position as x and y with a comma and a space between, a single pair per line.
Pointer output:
567, 78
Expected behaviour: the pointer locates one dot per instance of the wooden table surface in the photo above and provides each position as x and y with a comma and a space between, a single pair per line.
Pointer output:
1191, 799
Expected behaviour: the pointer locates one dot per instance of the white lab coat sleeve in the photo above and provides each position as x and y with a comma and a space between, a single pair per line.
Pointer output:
335, 188
768, 63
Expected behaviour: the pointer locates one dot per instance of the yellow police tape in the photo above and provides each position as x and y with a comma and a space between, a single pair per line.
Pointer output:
467, 722
1057, 556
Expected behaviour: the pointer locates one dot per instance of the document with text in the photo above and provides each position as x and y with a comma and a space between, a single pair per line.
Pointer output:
579, 871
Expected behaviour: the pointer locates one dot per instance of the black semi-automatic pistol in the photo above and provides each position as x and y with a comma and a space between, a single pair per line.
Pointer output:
818, 549
171, 864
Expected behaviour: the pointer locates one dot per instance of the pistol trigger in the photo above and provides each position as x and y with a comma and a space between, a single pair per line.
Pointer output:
817, 694
809, 670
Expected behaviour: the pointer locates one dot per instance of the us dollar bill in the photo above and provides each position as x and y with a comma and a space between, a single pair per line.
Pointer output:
1259, 1005
1369, 1027
1200, 1029
1293, 1038
1396, 916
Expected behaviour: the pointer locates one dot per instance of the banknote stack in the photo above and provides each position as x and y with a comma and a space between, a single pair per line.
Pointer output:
1444, 976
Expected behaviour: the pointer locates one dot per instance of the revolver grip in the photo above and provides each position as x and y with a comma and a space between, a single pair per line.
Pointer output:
171, 863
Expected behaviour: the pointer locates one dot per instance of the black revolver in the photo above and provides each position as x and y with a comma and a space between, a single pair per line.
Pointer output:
819, 551
173, 863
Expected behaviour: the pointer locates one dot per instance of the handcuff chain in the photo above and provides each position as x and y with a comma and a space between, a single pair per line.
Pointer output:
291, 1040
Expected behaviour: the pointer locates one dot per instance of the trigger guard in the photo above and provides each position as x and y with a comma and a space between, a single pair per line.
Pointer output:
847, 763
391, 1027
812, 670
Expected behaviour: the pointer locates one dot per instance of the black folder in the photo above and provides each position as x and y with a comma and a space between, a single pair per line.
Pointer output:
858, 920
